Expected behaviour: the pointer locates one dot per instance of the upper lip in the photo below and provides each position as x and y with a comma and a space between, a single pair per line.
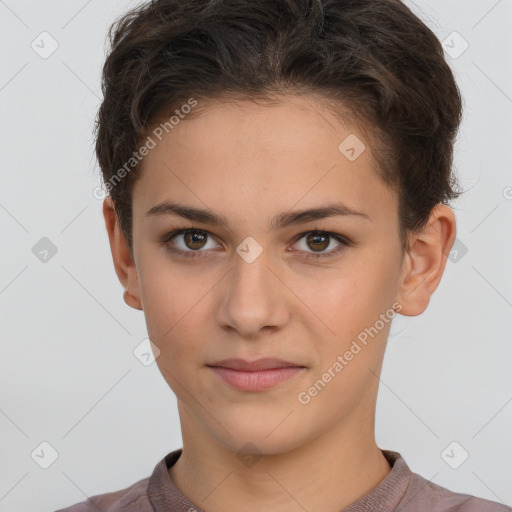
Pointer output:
265, 363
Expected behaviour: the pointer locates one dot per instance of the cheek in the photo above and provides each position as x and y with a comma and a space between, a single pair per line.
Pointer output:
174, 306
352, 298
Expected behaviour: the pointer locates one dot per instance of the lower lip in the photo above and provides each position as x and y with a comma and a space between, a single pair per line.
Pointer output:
257, 380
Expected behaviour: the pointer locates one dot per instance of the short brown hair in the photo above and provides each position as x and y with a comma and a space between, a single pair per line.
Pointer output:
373, 59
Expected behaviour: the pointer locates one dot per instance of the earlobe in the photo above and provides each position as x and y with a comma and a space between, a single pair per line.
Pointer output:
123, 262
425, 260
132, 301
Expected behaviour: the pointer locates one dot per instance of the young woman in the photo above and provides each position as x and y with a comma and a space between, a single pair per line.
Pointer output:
279, 173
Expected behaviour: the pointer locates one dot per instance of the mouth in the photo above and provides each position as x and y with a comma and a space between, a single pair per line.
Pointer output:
258, 375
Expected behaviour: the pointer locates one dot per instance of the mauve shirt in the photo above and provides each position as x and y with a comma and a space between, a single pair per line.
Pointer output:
401, 490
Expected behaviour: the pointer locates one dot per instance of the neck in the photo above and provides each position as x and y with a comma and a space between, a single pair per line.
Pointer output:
326, 475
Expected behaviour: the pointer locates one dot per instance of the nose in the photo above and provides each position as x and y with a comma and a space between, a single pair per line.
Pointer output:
253, 298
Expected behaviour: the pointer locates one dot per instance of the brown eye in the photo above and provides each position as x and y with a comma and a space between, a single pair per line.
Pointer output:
318, 242
190, 242
194, 240
314, 244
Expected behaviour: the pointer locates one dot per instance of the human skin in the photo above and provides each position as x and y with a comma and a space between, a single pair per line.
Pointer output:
249, 163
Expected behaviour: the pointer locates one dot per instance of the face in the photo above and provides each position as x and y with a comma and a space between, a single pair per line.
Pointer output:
263, 282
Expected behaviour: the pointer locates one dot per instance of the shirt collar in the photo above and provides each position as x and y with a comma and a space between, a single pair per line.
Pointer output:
164, 495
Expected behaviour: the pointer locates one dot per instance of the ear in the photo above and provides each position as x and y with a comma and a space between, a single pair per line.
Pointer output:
123, 262
425, 260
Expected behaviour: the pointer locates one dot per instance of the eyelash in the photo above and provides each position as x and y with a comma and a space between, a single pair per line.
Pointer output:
344, 243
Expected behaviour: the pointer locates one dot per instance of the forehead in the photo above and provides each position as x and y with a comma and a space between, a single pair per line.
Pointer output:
273, 155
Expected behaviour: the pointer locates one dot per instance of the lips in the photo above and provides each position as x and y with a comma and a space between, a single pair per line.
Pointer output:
255, 376
265, 363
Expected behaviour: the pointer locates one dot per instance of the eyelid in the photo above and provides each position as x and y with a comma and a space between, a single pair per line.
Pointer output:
323, 232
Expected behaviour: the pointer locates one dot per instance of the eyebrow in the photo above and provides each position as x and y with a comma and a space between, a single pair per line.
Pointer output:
279, 222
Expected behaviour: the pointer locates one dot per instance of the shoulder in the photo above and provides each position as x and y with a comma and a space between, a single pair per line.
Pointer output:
132, 498
423, 494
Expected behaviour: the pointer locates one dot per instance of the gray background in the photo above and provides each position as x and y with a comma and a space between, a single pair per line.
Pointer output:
68, 375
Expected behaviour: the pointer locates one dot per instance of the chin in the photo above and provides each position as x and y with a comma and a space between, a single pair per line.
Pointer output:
258, 446
266, 440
